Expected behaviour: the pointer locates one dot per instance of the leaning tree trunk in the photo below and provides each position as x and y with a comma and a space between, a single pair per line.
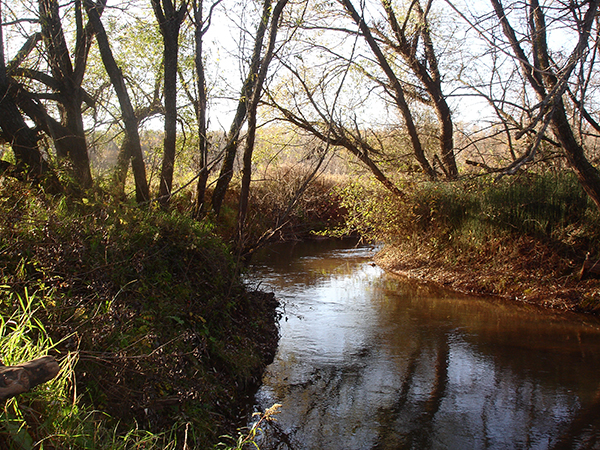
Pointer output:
252, 116
231, 146
131, 144
23, 139
546, 83
397, 89
15, 130
586, 173
68, 77
425, 67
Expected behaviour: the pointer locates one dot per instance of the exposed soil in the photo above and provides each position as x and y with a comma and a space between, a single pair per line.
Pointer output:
525, 271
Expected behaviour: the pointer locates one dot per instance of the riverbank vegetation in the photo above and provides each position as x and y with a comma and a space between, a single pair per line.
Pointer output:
160, 343
525, 238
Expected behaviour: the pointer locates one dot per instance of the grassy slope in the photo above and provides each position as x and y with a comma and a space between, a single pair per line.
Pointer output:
166, 335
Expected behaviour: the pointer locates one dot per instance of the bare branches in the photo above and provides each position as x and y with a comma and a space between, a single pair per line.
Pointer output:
548, 78
24, 52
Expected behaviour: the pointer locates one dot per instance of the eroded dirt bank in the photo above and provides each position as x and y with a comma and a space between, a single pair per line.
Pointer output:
526, 272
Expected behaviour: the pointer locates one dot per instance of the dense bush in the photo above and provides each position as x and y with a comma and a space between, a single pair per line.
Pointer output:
147, 307
469, 215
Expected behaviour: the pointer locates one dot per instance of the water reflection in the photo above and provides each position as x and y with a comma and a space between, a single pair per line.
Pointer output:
370, 361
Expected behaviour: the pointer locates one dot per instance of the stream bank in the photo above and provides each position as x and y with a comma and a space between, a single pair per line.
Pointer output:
524, 271
523, 238
161, 345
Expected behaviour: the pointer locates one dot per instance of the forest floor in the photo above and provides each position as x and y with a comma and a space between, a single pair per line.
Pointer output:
525, 270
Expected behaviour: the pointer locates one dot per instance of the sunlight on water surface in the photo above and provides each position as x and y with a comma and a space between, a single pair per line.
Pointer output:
368, 360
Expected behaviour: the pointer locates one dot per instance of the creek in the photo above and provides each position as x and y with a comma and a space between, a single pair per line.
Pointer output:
369, 360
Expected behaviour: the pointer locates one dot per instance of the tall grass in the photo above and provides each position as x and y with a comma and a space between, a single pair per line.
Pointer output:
468, 214
248, 437
290, 199
53, 415
49, 416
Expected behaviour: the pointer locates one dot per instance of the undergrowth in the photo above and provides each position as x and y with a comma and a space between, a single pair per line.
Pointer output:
288, 199
466, 214
160, 341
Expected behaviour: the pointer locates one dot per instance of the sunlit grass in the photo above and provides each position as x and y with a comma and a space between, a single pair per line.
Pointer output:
53, 415
50, 414
469, 213
247, 437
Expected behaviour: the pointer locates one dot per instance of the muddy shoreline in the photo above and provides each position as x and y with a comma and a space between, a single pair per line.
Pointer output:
527, 280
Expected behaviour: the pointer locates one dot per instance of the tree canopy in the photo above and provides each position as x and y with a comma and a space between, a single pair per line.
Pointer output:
409, 88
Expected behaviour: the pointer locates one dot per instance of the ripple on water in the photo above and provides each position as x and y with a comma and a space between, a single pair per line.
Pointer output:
371, 361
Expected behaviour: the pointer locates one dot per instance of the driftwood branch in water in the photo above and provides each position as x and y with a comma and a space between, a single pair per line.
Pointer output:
17, 379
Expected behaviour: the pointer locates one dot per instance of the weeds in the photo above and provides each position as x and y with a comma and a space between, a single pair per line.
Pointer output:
283, 197
467, 214
248, 436
48, 416
523, 236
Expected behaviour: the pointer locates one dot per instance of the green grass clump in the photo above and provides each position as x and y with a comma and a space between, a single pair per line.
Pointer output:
470, 212
373, 212
43, 416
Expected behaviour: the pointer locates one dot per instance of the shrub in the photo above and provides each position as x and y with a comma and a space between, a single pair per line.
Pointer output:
468, 214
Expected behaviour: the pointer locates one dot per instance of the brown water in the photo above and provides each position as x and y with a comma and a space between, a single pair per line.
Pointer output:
368, 360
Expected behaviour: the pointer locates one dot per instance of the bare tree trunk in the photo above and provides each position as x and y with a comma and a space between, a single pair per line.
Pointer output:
23, 139
550, 88
69, 77
169, 20
231, 145
444, 116
586, 173
426, 69
122, 168
201, 105
170, 139
251, 135
15, 130
132, 145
